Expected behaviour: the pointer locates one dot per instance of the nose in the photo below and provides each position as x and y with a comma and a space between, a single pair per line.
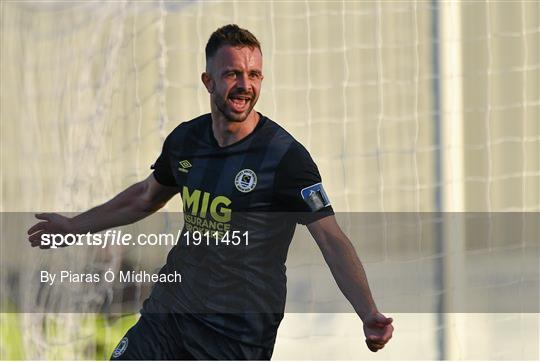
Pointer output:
243, 82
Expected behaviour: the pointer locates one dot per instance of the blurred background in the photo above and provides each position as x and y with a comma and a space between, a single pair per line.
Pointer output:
406, 106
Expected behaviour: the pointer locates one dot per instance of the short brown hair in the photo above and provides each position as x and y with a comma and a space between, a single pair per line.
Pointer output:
231, 35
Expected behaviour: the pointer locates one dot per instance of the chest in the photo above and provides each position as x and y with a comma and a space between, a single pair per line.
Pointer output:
243, 181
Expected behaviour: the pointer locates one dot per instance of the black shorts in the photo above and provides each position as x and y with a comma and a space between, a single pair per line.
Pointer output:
168, 336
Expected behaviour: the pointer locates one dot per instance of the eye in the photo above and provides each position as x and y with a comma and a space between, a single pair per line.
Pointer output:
230, 74
255, 75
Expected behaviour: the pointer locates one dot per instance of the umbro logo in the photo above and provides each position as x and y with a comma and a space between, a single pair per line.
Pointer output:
185, 165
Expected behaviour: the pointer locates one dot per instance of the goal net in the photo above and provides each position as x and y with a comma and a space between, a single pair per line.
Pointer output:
422, 109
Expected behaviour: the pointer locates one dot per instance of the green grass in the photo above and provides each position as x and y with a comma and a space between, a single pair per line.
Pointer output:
12, 346
93, 338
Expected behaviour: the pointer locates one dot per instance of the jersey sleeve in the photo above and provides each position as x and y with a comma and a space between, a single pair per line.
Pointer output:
162, 167
298, 186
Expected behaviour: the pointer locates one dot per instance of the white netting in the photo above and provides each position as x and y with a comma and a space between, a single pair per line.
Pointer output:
401, 113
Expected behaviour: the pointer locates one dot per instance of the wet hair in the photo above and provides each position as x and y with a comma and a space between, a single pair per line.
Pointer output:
231, 35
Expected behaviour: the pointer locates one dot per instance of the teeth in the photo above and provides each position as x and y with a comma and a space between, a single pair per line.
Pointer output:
240, 97
239, 102
236, 100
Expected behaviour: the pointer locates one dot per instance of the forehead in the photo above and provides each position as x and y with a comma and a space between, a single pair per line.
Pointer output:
237, 57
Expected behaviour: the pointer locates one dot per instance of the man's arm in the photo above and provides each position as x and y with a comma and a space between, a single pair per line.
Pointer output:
133, 204
351, 278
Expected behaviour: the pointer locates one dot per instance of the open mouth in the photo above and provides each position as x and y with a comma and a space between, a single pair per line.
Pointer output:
239, 103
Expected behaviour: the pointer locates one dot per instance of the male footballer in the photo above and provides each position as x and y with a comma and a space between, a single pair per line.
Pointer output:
241, 177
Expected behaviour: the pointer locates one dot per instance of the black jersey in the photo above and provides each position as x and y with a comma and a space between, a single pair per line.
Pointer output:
236, 235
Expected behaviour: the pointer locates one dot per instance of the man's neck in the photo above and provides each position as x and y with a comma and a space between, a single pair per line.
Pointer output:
226, 132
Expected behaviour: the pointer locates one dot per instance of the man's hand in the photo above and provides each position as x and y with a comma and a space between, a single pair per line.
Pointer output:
51, 224
133, 204
351, 278
378, 330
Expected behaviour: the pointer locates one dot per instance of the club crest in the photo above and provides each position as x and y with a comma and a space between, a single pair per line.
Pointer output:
245, 180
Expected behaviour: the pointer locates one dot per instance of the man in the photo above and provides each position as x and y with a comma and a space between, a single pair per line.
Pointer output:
237, 172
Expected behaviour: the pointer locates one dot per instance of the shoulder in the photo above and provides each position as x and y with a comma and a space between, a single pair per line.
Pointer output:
293, 157
282, 141
194, 126
297, 161
297, 152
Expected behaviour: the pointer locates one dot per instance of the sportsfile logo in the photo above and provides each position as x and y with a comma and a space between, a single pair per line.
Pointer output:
185, 165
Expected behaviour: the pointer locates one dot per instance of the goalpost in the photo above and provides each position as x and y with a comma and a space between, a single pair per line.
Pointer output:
408, 107
452, 165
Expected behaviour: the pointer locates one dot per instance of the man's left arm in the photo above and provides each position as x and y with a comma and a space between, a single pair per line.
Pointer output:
351, 278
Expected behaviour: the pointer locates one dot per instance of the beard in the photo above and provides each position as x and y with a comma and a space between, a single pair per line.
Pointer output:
227, 108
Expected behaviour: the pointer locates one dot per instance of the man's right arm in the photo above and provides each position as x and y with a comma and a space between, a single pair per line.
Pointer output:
133, 204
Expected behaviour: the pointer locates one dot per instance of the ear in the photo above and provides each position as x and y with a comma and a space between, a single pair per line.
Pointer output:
208, 82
